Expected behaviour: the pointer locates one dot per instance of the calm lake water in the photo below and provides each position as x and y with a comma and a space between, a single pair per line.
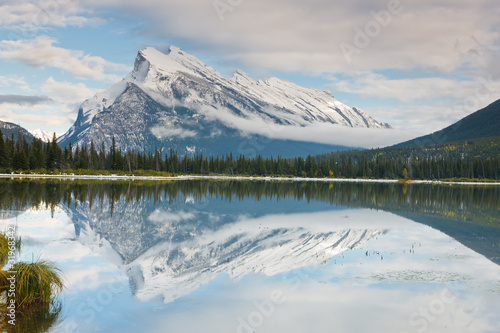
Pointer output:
204, 256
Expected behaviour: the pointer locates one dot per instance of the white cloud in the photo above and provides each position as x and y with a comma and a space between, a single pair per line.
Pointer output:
377, 86
417, 119
14, 81
345, 136
165, 132
30, 16
40, 52
292, 36
37, 116
57, 114
67, 97
67, 91
426, 104
319, 133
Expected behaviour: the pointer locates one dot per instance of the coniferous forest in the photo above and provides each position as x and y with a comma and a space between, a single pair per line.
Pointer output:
442, 163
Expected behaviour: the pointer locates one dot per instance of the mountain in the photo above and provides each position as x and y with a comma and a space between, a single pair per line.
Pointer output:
9, 128
176, 101
42, 135
484, 123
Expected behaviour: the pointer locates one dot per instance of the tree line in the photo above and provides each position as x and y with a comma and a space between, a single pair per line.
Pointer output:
48, 156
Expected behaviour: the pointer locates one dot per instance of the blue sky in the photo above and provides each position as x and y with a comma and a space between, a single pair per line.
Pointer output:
417, 65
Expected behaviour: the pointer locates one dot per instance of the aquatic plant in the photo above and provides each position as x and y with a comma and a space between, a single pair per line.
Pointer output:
36, 283
32, 286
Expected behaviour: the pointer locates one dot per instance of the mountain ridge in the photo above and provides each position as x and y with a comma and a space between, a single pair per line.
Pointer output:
9, 129
198, 109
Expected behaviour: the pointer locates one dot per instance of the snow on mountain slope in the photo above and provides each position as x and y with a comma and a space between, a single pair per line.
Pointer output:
303, 104
42, 135
88, 110
293, 104
190, 93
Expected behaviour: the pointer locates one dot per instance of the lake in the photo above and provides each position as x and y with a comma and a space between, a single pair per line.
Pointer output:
260, 256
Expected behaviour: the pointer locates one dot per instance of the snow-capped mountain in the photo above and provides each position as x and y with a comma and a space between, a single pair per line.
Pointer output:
176, 101
42, 135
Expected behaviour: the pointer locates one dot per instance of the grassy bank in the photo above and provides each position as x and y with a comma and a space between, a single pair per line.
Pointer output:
164, 176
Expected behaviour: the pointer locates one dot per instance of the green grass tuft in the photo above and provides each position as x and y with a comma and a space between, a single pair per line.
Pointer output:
36, 283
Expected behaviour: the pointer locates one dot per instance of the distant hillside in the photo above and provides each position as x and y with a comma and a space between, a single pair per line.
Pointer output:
475, 158
483, 148
484, 123
9, 128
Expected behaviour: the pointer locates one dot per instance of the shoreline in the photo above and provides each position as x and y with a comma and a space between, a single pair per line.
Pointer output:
237, 178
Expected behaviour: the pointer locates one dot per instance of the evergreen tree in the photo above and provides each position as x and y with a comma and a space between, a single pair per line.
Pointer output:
20, 160
4, 162
37, 156
102, 157
113, 156
93, 156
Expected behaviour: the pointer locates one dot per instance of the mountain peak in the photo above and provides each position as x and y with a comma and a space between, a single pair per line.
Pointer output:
155, 55
240, 77
174, 50
176, 60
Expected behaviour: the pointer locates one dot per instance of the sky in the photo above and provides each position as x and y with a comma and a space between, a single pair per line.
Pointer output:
418, 65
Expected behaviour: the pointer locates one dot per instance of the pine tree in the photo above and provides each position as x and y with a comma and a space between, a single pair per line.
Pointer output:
93, 156
37, 155
102, 156
3, 152
20, 160
112, 154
